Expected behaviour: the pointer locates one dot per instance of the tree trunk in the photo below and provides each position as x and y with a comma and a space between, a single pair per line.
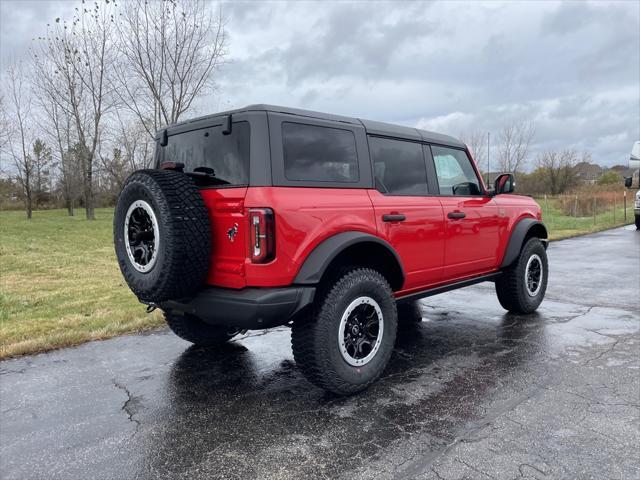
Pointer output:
69, 203
89, 201
87, 180
29, 202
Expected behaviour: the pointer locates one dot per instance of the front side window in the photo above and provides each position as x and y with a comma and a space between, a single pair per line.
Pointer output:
456, 175
398, 166
224, 158
319, 154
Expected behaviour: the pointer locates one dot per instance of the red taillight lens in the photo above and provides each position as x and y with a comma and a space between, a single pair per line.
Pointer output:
262, 235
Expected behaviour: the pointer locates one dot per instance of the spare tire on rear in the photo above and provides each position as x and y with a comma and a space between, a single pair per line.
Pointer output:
162, 235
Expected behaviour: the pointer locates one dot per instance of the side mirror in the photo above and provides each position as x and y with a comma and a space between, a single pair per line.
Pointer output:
628, 181
505, 183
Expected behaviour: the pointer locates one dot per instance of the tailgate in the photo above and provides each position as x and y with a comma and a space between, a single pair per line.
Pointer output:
229, 247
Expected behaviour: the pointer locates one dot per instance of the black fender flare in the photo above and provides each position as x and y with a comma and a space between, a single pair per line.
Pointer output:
317, 262
518, 234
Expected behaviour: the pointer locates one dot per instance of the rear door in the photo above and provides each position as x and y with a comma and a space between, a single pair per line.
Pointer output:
472, 223
407, 216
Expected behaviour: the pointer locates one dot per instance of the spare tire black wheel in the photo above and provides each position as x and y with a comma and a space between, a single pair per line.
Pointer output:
162, 235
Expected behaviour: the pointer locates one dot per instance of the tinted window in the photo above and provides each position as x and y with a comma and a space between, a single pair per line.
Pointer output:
398, 166
456, 176
227, 155
319, 154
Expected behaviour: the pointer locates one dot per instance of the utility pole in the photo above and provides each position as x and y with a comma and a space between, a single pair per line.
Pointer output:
488, 161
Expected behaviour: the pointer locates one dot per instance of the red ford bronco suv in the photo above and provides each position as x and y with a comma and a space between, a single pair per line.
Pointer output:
268, 216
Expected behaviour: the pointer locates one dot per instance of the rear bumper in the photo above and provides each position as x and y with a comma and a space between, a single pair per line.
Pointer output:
250, 308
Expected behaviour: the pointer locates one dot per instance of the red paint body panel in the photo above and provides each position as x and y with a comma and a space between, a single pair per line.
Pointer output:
226, 209
471, 244
433, 249
419, 240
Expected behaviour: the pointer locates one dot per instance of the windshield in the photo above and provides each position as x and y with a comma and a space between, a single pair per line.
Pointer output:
215, 158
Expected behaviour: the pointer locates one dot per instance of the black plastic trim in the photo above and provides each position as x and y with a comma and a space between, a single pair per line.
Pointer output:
517, 238
451, 286
249, 308
319, 259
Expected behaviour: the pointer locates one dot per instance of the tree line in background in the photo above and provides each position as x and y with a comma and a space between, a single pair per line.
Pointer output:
82, 113
552, 172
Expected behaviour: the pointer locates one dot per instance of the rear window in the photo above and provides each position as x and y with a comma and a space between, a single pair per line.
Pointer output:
207, 148
320, 154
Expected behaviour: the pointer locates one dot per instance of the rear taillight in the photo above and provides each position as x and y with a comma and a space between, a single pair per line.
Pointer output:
262, 235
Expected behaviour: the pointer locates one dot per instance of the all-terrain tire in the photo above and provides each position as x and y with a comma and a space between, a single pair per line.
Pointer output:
184, 244
316, 341
194, 330
511, 286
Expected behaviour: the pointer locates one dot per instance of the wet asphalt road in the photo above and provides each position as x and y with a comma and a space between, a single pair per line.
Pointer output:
470, 392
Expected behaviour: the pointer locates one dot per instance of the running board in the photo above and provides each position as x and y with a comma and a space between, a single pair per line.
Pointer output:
449, 287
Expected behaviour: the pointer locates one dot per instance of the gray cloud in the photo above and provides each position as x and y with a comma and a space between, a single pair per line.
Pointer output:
573, 68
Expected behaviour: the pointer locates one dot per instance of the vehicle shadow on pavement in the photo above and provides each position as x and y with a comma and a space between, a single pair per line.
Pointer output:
241, 410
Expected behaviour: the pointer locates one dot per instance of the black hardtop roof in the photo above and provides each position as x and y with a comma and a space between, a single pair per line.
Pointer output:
371, 126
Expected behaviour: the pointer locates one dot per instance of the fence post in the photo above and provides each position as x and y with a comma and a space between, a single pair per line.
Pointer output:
625, 206
614, 209
575, 207
594, 209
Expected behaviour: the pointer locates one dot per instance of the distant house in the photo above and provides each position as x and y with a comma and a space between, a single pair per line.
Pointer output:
587, 172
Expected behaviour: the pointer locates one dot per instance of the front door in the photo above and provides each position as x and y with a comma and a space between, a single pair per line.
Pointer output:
471, 216
406, 216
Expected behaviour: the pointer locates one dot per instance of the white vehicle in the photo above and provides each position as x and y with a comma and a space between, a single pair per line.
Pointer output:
634, 181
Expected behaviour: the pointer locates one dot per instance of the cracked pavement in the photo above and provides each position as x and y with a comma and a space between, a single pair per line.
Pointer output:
470, 393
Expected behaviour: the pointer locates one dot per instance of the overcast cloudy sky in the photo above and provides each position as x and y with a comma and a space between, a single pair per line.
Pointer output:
573, 68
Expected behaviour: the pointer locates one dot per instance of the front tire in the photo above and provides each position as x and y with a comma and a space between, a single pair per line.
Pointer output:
637, 222
194, 330
347, 344
522, 286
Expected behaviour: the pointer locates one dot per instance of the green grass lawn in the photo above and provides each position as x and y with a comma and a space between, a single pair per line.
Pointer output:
562, 226
60, 284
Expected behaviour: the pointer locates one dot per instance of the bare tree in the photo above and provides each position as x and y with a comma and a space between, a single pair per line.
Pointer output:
133, 150
476, 140
513, 145
57, 125
5, 126
170, 49
18, 150
42, 163
556, 169
72, 66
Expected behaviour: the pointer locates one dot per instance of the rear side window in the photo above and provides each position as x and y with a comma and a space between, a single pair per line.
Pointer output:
208, 149
398, 166
456, 176
320, 154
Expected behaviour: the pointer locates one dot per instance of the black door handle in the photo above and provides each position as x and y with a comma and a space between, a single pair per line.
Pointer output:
396, 217
456, 215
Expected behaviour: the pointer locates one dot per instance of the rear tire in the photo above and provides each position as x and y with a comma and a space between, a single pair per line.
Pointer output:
194, 330
347, 344
522, 286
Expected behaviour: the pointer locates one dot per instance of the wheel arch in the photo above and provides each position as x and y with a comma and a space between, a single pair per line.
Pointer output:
523, 230
352, 248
